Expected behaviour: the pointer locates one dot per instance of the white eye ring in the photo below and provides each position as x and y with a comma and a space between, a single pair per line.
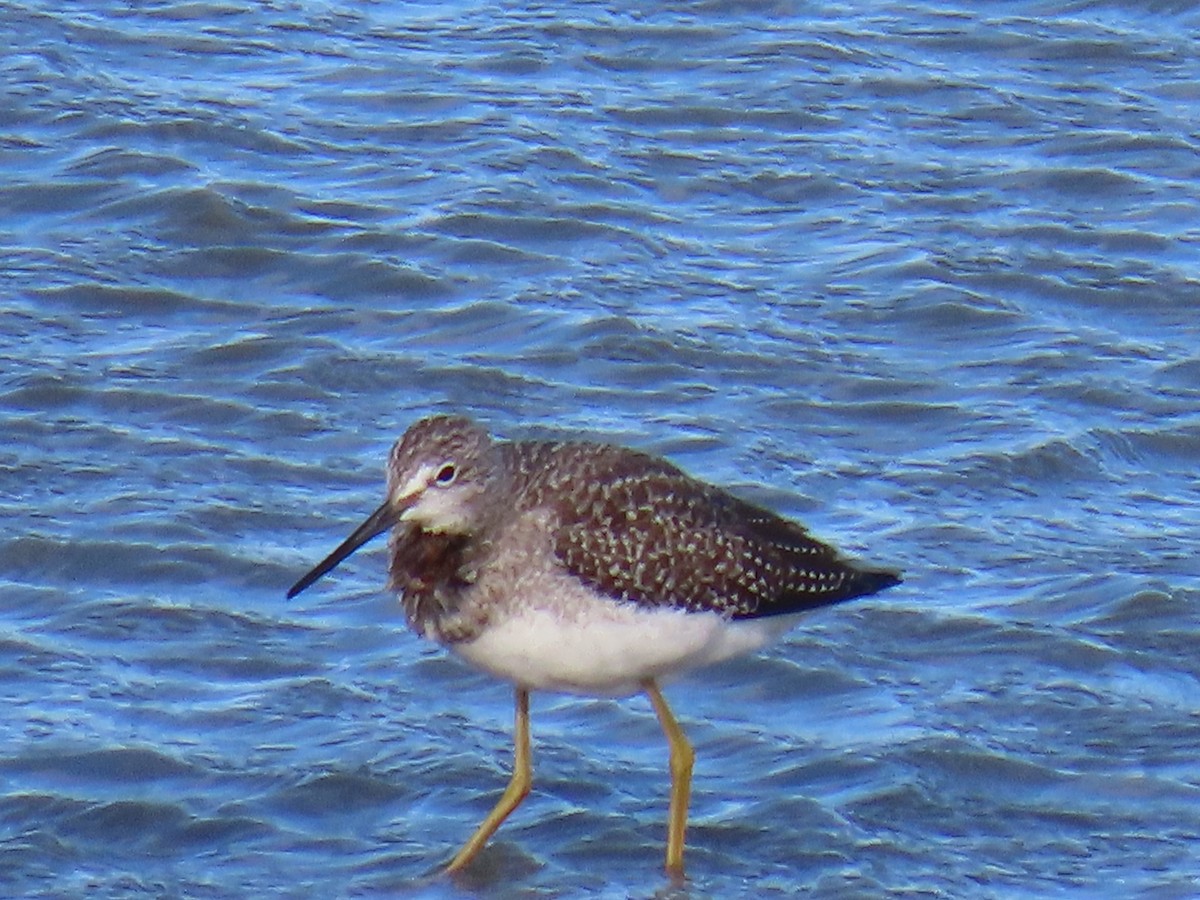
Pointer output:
446, 474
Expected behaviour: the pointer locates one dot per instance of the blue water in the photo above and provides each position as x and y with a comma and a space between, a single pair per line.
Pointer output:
923, 276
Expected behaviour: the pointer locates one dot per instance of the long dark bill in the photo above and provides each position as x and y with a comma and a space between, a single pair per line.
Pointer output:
377, 523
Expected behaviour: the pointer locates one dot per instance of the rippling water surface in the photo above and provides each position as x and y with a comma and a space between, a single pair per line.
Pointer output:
924, 277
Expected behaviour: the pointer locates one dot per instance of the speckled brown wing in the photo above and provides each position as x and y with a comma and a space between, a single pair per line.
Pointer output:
640, 530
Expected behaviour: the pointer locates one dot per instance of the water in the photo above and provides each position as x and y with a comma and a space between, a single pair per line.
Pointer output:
924, 277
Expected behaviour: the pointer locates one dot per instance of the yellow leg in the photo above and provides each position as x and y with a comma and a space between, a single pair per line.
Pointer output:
517, 790
682, 758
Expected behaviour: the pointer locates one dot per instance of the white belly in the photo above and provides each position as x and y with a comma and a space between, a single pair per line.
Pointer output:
609, 649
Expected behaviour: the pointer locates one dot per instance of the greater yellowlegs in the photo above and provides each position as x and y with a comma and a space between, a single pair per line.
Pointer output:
590, 569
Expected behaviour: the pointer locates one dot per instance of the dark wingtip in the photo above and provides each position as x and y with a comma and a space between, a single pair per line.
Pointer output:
876, 580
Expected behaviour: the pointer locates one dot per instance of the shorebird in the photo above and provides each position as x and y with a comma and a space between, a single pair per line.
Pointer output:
587, 568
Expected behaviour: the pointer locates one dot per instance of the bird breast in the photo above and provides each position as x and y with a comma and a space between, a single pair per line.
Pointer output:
432, 571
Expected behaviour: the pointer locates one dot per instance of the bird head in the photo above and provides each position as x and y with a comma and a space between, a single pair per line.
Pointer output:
437, 475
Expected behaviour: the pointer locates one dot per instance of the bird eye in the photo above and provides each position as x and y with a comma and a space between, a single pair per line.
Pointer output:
446, 474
